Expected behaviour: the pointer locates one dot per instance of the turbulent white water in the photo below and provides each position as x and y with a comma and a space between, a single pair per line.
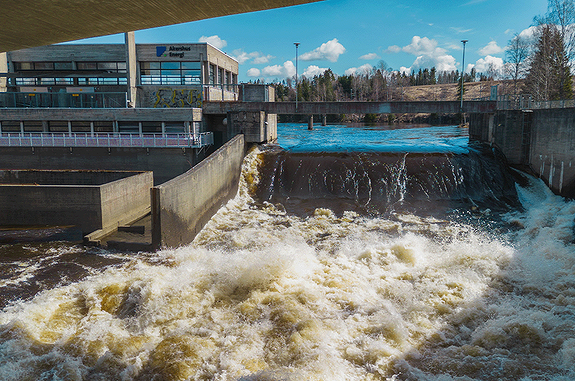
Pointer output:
265, 295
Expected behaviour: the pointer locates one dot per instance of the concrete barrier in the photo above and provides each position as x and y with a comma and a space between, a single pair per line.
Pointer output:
182, 206
90, 200
541, 140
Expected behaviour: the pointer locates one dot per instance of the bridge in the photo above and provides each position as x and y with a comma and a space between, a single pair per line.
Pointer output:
310, 108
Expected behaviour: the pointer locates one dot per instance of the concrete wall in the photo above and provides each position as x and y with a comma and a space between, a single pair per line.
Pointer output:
256, 93
552, 149
542, 140
170, 97
62, 177
51, 205
182, 206
126, 200
90, 207
257, 127
166, 163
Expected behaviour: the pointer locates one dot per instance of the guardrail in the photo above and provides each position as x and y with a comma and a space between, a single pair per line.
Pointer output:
526, 102
106, 140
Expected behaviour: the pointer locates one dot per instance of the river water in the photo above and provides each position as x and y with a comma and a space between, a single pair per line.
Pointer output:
355, 253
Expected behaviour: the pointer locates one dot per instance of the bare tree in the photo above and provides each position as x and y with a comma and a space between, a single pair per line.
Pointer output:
517, 54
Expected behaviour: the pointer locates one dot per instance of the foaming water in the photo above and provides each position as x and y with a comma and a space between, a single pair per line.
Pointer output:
265, 294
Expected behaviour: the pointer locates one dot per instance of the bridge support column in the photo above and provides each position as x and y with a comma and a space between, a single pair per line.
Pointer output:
324, 120
310, 123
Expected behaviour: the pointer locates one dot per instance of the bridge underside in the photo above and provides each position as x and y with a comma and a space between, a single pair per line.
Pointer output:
27, 24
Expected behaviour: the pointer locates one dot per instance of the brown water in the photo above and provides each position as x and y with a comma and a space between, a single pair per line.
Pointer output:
472, 282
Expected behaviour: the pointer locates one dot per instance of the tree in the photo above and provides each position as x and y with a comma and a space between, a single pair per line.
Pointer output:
518, 51
550, 76
561, 13
461, 80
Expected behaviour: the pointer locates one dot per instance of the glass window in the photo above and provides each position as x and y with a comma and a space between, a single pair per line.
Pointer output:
44, 65
25, 81
171, 65
149, 65
47, 81
212, 74
87, 66
108, 66
63, 65
191, 65
64, 81
23, 66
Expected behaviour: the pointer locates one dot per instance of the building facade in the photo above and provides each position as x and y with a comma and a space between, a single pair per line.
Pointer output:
117, 75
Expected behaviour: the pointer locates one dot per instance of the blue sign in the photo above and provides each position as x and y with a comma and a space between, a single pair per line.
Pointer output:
160, 50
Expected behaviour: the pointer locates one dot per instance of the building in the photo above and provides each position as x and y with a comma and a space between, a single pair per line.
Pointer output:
126, 75
199, 69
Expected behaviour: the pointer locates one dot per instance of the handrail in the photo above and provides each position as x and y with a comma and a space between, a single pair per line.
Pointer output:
107, 140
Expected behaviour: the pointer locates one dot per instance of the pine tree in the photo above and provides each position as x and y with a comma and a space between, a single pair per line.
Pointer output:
549, 77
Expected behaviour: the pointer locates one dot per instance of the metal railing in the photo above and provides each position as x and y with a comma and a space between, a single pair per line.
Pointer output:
107, 140
62, 100
526, 102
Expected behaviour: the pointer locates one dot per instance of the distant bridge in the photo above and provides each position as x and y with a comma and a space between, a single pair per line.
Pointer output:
309, 108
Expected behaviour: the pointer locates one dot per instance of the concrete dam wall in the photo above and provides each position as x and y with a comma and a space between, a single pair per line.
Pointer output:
182, 206
542, 141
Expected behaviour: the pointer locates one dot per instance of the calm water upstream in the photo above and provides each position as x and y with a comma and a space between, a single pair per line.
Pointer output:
351, 253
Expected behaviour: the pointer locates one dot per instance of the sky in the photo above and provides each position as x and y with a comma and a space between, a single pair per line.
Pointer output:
350, 36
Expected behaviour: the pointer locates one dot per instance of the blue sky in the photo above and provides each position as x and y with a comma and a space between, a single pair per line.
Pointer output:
349, 35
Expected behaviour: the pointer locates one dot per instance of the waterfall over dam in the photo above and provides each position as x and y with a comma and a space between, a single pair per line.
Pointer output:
406, 261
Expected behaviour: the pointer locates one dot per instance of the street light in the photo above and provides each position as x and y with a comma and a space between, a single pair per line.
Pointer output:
462, 73
296, 87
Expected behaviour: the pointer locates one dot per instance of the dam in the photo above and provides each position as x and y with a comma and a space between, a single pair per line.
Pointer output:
414, 262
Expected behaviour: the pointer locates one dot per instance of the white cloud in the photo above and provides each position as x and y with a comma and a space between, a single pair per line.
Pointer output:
529, 34
254, 72
263, 59
214, 41
314, 70
257, 57
405, 70
286, 70
363, 69
483, 65
461, 30
491, 48
329, 51
394, 49
369, 56
428, 54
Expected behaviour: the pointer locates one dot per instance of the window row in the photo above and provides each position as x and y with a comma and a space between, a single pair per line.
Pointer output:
170, 73
68, 81
110, 67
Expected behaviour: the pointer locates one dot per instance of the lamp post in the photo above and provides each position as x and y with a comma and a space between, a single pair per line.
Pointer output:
462, 75
296, 87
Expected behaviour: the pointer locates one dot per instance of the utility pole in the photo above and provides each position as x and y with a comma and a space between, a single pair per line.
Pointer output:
296, 86
462, 75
